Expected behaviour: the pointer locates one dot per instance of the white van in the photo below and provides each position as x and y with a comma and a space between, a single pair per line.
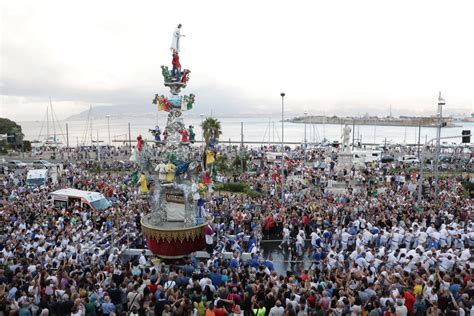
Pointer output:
369, 155
38, 177
358, 157
274, 156
86, 199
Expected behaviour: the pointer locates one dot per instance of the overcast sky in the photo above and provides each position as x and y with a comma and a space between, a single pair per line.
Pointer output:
333, 57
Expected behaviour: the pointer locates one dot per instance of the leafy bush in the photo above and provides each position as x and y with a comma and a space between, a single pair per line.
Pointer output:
221, 163
237, 187
468, 188
232, 187
468, 185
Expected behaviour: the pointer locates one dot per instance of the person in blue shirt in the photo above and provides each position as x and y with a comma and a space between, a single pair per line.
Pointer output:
188, 270
234, 262
107, 306
353, 231
194, 260
454, 288
316, 258
216, 278
251, 242
269, 263
254, 263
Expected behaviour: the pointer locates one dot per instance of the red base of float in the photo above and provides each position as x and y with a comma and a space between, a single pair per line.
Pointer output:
172, 239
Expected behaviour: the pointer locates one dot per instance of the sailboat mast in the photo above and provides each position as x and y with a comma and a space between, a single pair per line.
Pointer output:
47, 123
92, 142
52, 119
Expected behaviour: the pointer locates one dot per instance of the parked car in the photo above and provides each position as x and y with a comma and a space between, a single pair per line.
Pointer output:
42, 164
387, 158
444, 158
16, 164
409, 159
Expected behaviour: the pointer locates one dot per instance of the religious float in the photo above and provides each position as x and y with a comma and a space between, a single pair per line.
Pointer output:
177, 223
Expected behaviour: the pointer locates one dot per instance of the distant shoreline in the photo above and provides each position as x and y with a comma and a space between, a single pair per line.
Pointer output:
411, 122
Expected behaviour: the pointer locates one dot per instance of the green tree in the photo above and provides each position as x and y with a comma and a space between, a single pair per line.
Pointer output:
9, 127
221, 163
26, 145
239, 163
211, 128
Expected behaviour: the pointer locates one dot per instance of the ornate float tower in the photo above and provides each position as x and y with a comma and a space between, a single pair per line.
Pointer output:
175, 227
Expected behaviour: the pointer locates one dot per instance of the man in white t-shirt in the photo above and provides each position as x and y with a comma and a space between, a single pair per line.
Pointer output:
142, 260
345, 239
286, 237
277, 310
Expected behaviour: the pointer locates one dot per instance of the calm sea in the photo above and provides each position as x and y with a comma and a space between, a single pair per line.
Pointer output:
254, 129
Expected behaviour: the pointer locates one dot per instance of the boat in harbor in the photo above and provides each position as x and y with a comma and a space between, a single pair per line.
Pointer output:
52, 138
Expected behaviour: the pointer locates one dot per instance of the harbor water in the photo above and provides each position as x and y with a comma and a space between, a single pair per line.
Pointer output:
262, 130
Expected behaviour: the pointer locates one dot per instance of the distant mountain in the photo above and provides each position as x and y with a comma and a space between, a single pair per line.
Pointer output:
123, 110
147, 110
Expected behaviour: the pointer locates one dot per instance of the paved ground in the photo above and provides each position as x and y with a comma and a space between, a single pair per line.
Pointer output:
281, 259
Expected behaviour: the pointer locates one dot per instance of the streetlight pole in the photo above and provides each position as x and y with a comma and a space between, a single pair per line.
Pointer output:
425, 147
202, 130
108, 126
305, 139
305, 116
282, 148
441, 102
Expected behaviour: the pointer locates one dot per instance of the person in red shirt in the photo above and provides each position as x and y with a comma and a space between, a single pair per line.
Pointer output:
304, 276
269, 225
409, 300
152, 287
305, 219
311, 300
234, 295
220, 309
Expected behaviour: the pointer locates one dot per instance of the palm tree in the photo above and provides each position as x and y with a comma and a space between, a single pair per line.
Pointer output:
211, 128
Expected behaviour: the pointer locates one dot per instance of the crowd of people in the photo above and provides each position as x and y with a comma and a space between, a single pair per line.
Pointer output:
371, 248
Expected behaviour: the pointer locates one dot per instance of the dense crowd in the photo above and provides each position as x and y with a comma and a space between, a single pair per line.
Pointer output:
370, 249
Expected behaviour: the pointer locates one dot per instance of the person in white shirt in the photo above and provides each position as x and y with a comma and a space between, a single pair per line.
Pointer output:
446, 263
366, 237
391, 259
428, 261
277, 310
465, 255
422, 237
396, 239
443, 236
345, 236
286, 237
435, 237
142, 260
361, 262
170, 284
384, 237
400, 308
300, 244
430, 229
